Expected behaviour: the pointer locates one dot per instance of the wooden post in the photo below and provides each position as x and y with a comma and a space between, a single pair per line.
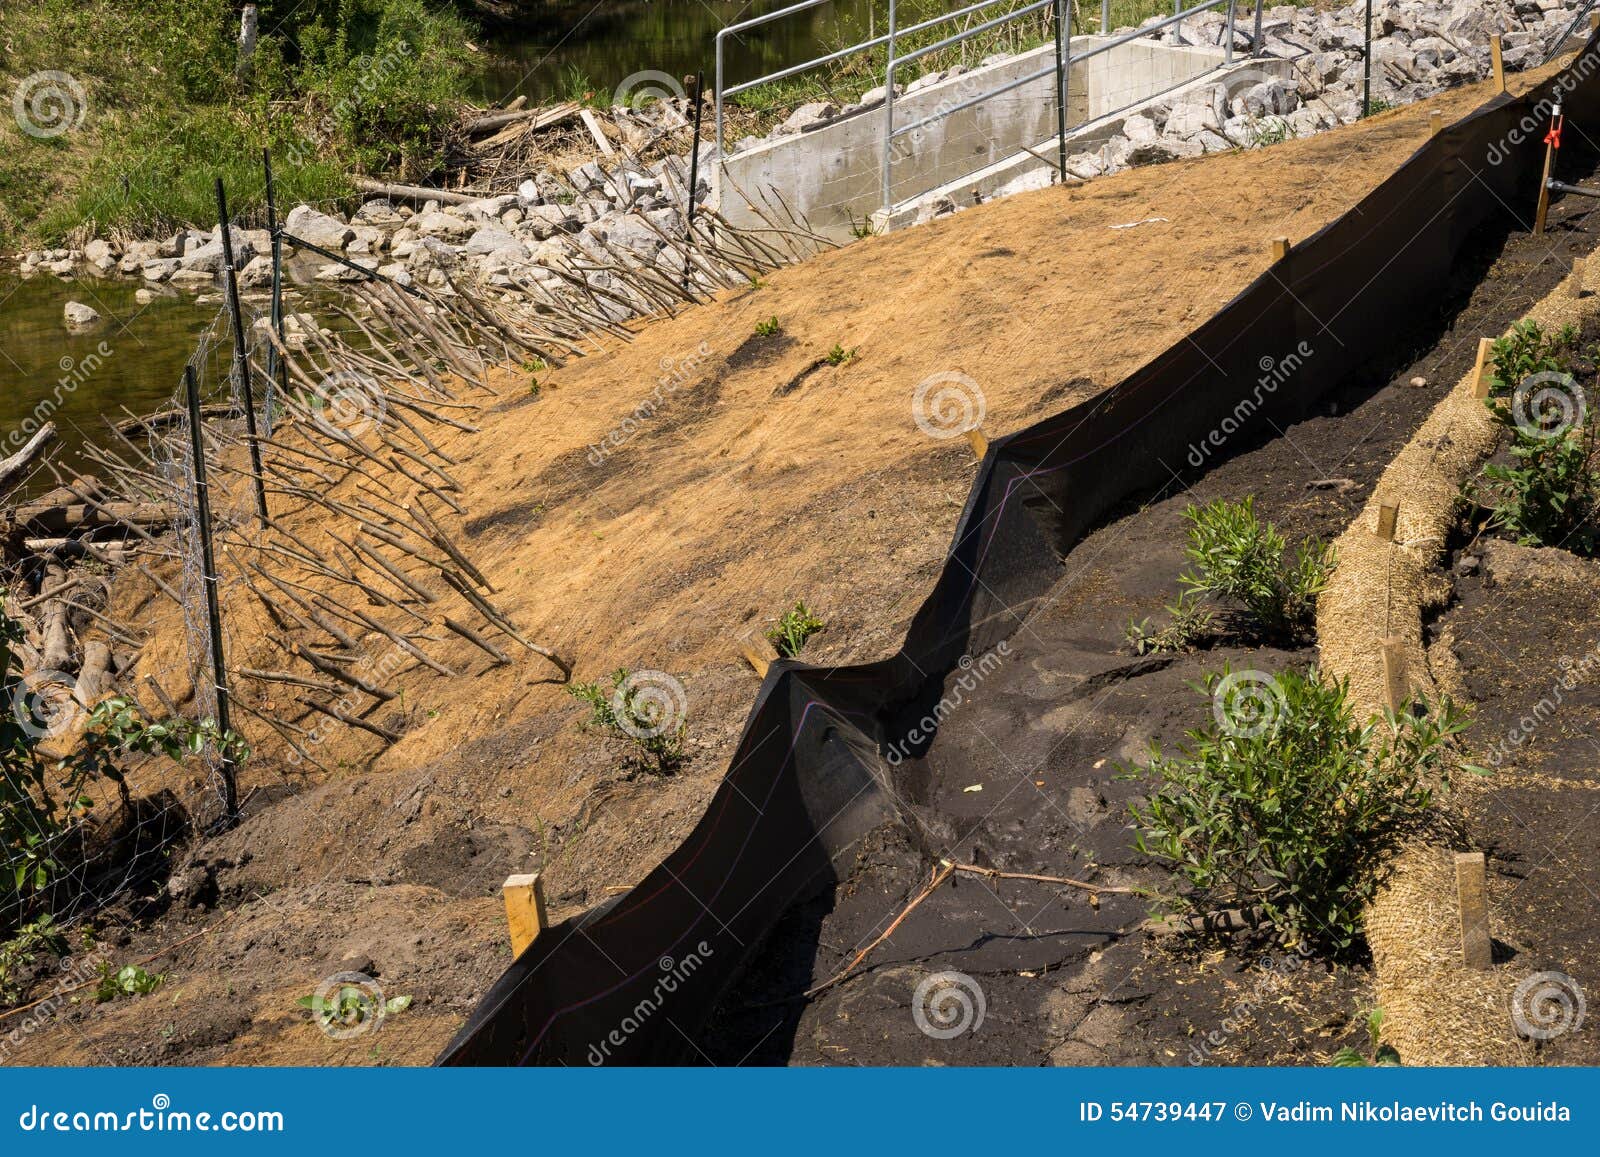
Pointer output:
1388, 515
1480, 371
979, 441
525, 913
758, 651
1477, 949
1396, 683
1280, 248
1575, 285
1542, 214
1435, 123
1497, 54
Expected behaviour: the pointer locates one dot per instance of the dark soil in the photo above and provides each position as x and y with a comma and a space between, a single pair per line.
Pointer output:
1024, 777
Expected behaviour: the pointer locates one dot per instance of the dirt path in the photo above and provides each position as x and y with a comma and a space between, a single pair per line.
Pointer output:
756, 475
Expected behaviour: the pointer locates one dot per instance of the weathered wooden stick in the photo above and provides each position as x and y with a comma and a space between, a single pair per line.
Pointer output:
352, 720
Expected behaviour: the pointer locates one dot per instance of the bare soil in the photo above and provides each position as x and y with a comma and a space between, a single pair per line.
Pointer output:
761, 478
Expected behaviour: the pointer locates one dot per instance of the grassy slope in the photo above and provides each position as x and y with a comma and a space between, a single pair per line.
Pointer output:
339, 86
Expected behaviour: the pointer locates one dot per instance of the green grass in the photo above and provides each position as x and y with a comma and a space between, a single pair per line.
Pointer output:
338, 87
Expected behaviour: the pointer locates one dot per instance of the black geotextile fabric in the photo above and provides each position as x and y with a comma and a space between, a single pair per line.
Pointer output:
635, 980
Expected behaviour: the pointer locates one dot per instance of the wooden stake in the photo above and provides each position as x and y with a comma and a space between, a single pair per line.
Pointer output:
1396, 684
1497, 55
1541, 215
525, 911
1575, 285
1435, 123
1280, 248
1480, 371
979, 441
1388, 515
758, 651
1477, 949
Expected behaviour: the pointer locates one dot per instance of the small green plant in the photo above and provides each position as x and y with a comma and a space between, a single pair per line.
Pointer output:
838, 355
1188, 621
19, 953
1236, 556
129, 980
1287, 806
349, 1007
646, 710
1549, 494
1272, 131
533, 388
792, 630
1526, 351
1377, 105
769, 327
1382, 1055
862, 229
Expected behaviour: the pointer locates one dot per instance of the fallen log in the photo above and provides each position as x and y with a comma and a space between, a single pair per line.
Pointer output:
539, 118
68, 517
415, 193
15, 468
168, 418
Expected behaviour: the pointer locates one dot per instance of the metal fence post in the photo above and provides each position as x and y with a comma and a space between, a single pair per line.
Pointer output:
1105, 17
276, 369
208, 577
241, 354
1255, 41
888, 111
1227, 52
698, 81
1366, 67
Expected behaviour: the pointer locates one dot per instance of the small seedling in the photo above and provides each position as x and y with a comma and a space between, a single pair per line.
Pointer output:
1188, 622
129, 980
792, 630
533, 388
768, 328
622, 711
838, 355
349, 1007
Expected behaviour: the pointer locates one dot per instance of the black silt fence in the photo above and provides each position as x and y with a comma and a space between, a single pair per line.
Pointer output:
612, 986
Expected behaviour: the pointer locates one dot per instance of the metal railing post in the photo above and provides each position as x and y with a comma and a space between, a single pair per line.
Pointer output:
720, 143
1255, 40
1105, 17
888, 110
1227, 52
1063, 39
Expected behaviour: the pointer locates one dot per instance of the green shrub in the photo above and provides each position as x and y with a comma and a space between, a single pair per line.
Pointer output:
792, 630
129, 980
19, 953
1235, 556
1288, 806
627, 710
1528, 350
768, 327
1550, 493
1188, 621
1383, 1056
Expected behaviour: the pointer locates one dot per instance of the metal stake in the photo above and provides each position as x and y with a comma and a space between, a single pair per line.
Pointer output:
1062, 33
697, 86
1366, 68
241, 355
208, 563
276, 370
